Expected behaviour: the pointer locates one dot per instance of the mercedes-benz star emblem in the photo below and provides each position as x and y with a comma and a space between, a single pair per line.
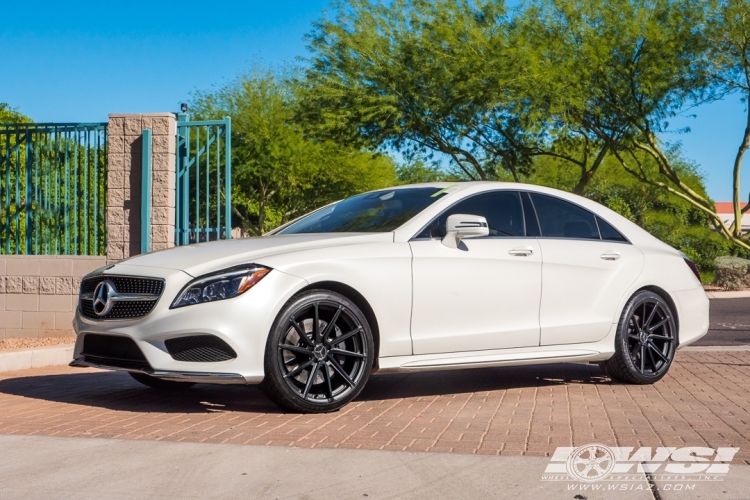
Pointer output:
103, 297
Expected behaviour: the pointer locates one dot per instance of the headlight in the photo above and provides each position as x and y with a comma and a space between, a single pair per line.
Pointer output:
219, 286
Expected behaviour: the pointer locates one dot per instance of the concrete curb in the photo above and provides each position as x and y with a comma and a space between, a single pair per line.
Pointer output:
740, 294
23, 359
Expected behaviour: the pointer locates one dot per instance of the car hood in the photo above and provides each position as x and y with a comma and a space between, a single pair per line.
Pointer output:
202, 258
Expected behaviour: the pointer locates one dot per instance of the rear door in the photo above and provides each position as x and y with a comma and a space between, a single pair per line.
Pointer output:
587, 268
483, 295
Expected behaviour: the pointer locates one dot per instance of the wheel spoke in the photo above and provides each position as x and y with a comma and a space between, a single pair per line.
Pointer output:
297, 349
337, 367
316, 324
634, 336
660, 323
348, 353
643, 359
311, 380
643, 316
346, 336
300, 332
662, 337
331, 326
328, 380
653, 361
657, 351
634, 351
650, 316
299, 368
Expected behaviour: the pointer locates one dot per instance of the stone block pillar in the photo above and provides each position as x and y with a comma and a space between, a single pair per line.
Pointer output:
125, 133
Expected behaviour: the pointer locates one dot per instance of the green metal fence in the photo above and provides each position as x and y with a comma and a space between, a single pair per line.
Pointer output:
204, 180
53, 188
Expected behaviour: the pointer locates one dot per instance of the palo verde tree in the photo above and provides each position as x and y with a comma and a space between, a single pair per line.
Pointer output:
729, 56
423, 76
643, 62
280, 171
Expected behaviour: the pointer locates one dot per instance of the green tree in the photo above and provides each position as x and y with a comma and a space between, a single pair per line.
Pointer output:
11, 115
729, 54
280, 170
424, 76
641, 63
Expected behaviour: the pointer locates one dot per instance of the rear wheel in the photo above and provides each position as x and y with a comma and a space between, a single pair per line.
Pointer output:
646, 341
319, 354
157, 383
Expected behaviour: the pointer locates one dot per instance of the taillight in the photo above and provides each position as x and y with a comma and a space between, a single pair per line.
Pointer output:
693, 268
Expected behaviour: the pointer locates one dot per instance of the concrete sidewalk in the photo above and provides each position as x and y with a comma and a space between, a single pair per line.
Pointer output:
48, 467
38, 357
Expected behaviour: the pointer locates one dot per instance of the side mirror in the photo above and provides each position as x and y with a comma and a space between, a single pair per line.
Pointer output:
459, 226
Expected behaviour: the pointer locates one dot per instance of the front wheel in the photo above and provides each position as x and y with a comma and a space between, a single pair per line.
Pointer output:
319, 354
646, 341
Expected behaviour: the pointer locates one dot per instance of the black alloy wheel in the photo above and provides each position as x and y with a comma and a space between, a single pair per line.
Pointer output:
319, 354
646, 340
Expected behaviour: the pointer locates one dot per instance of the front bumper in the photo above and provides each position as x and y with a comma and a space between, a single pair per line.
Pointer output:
243, 323
195, 377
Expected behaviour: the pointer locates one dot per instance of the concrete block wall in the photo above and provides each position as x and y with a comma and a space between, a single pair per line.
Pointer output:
39, 294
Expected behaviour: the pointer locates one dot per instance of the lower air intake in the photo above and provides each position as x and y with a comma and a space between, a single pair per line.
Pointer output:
200, 349
113, 350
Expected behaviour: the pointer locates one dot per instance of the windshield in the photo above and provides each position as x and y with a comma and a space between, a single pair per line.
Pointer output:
376, 212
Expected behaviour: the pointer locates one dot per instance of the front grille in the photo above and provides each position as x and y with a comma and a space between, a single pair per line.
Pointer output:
113, 350
123, 284
200, 349
121, 310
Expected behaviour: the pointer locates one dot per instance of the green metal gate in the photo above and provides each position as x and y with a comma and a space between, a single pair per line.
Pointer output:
53, 188
204, 180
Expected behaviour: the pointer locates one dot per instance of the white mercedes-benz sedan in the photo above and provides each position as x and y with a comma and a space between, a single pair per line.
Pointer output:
420, 277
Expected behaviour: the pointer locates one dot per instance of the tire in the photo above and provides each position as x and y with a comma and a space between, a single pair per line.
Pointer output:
646, 341
311, 370
157, 383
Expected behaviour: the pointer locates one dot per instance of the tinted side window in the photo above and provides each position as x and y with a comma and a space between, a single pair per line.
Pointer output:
608, 232
502, 209
561, 219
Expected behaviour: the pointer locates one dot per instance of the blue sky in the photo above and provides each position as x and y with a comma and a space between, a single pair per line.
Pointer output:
77, 62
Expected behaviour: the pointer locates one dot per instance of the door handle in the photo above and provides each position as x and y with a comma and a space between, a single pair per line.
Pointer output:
521, 251
611, 255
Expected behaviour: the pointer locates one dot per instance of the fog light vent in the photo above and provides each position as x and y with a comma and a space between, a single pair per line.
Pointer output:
200, 349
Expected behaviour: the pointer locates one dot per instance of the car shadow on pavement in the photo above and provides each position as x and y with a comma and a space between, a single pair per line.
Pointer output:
118, 391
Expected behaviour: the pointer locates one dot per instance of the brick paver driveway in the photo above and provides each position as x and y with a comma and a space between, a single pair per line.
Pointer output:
705, 401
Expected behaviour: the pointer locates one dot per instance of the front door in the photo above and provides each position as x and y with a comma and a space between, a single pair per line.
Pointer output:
483, 295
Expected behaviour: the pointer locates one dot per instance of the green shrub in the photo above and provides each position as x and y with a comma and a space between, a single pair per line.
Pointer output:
732, 273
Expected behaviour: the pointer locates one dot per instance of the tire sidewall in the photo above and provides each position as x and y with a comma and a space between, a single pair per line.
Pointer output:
274, 384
